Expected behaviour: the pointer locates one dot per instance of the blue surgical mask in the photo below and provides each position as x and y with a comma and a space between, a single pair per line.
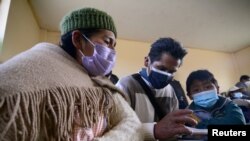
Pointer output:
157, 78
206, 99
238, 95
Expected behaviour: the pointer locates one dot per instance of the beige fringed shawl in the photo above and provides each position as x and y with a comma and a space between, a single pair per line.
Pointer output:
39, 90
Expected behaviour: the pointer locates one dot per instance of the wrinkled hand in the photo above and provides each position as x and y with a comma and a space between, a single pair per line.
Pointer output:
173, 124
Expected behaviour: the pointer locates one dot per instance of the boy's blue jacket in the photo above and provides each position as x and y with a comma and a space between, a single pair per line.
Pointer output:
224, 112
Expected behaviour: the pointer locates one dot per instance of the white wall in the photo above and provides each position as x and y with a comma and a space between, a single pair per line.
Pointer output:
22, 30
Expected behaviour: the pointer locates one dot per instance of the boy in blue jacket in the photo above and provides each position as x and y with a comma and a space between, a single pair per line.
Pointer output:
210, 108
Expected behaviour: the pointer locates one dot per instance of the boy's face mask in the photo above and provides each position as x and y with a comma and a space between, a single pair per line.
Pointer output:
206, 99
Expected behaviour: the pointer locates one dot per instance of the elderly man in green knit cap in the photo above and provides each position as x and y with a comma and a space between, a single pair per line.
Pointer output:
52, 92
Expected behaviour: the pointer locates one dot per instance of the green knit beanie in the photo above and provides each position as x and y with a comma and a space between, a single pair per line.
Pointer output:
87, 18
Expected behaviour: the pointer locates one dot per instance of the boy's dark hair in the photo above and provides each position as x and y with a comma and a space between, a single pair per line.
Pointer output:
200, 75
244, 77
166, 45
66, 40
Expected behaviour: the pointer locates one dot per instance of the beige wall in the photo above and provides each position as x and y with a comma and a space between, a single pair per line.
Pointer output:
219, 63
242, 59
130, 59
227, 67
22, 31
52, 37
130, 54
4, 11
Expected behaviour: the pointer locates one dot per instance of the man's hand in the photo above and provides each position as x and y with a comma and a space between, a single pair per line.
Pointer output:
173, 124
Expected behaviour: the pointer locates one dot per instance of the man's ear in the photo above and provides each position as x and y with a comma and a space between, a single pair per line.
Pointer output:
146, 61
77, 39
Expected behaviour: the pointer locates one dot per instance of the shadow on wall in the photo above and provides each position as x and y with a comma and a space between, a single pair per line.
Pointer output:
1, 45
1, 48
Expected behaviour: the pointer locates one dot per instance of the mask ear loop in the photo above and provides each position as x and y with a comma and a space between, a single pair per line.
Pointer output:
153, 68
89, 40
149, 65
81, 53
162, 72
93, 45
214, 87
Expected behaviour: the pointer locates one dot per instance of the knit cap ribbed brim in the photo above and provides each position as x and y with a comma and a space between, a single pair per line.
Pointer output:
87, 18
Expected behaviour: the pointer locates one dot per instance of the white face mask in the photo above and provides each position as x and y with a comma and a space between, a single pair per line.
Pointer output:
247, 83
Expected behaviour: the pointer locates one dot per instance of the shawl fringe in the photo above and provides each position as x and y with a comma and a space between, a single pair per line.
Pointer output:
49, 114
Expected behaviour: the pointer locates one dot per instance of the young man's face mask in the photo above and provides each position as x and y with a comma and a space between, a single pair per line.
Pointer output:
157, 78
206, 99
101, 62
